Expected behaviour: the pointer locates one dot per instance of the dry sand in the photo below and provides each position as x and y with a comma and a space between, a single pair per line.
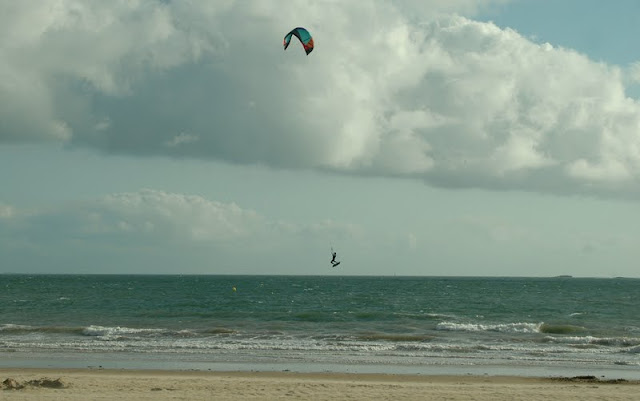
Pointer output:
124, 385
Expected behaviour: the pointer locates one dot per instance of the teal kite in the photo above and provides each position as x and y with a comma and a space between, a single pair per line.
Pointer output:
303, 35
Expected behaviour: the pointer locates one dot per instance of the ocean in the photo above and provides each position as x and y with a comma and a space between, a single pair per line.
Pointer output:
418, 325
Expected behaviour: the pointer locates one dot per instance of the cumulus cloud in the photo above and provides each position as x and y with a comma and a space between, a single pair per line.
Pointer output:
393, 88
177, 216
146, 215
156, 231
633, 72
155, 217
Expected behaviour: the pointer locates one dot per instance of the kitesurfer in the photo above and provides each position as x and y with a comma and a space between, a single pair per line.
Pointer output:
333, 259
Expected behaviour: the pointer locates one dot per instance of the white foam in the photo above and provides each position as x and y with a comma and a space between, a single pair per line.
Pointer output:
102, 331
14, 327
520, 327
634, 350
591, 340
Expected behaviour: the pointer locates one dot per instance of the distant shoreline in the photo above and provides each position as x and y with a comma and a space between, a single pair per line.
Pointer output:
312, 275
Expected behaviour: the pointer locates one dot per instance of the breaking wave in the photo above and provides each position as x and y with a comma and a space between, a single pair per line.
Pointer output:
502, 328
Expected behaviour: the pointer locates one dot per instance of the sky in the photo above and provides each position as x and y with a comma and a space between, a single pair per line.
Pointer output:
427, 138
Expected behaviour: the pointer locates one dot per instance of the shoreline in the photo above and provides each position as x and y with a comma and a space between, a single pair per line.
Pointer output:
116, 384
183, 363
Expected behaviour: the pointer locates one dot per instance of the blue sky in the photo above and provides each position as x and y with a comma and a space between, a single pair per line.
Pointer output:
604, 31
419, 138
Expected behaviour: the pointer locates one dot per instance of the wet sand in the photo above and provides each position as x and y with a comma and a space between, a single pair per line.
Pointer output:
107, 384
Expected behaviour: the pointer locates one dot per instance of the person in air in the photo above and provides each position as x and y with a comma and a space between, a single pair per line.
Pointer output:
333, 259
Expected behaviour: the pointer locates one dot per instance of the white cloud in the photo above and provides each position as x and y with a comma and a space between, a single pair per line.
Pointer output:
176, 216
6, 211
166, 219
181, 138
633, 72
157, 231
393, 88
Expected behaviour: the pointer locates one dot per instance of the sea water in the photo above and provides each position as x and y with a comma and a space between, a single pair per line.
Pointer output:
531, 326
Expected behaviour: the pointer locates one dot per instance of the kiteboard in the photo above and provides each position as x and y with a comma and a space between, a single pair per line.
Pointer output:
335, 264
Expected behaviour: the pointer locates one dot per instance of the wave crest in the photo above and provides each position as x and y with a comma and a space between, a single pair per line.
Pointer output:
520, 327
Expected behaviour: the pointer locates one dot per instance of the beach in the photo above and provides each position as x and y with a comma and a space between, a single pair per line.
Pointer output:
88, 337
110, 384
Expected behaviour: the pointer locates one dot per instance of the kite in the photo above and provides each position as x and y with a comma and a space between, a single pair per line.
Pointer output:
303, 35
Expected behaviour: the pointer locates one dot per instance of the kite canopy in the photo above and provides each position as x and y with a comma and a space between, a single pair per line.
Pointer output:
303, 35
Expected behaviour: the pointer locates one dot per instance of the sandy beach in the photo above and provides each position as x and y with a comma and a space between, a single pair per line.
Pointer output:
97, 384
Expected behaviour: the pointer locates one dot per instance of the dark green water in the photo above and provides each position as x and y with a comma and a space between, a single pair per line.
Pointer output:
365, 320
